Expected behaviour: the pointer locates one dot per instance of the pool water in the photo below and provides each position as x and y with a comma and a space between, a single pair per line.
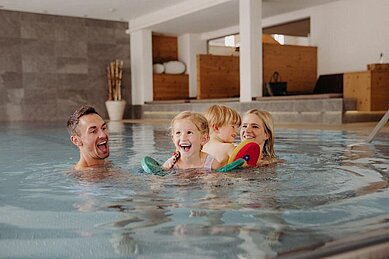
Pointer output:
323, 191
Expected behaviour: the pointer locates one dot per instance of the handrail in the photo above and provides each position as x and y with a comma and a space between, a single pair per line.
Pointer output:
374, 132
377, 128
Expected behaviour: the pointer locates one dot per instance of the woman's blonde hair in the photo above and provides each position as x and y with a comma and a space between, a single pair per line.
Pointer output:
267, 119
196, 118
221, 115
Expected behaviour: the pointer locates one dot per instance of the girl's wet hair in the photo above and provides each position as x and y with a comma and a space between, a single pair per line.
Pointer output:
196, 118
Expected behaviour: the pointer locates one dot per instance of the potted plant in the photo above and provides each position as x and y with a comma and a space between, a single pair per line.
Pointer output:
115, 105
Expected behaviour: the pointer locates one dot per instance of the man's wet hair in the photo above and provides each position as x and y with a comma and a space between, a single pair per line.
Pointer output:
74, 119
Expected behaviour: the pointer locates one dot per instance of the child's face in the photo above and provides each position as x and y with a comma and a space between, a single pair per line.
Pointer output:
227, 133
187, 138
253, 128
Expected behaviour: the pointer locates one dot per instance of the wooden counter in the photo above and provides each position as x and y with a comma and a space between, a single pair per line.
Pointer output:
370, 89
170, 87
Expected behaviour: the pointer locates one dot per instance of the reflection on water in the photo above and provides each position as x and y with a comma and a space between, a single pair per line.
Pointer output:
323, 191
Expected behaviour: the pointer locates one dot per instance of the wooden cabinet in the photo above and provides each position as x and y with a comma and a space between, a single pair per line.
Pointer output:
296, 65
370, 88
165, 48
170, 87
217, 76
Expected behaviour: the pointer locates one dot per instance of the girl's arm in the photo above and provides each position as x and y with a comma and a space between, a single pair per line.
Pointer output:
171, 161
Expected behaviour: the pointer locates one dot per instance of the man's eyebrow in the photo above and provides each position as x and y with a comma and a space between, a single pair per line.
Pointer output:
92, 127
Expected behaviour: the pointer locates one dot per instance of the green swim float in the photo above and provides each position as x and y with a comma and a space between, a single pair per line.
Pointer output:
151, 166
237, 164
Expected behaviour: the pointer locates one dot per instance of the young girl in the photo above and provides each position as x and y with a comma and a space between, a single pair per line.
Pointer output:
189, 132
258, 126
224, 123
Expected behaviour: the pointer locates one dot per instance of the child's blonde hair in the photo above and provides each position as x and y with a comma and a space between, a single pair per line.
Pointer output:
221, 115
267, 119
196, 118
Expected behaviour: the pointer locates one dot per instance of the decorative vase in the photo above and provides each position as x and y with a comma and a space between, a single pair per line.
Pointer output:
115, 109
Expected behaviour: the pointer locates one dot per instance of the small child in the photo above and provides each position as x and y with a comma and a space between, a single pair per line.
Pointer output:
257, 125
189, 132
224, 123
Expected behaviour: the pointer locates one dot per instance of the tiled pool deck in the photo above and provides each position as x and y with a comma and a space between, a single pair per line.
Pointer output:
311, 109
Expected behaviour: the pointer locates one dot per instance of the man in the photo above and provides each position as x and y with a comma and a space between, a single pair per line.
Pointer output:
89, 132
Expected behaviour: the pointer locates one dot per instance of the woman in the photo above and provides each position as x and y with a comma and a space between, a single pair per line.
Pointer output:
258, 126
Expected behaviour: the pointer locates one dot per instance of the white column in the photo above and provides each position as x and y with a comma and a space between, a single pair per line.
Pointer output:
250, 27
141, 67
189, 45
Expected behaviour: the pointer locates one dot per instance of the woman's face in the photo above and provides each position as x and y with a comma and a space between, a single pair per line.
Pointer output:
253, 128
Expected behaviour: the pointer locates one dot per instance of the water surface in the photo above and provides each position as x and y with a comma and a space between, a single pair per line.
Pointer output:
322, 192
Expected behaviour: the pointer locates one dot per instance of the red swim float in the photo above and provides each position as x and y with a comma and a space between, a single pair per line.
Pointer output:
249, 150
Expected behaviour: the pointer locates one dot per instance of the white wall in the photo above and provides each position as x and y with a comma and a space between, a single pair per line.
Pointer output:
222, 50
189, 45
349, 34
141, 67
294, 40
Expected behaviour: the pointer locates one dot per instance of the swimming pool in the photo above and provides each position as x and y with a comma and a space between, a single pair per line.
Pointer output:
323, 192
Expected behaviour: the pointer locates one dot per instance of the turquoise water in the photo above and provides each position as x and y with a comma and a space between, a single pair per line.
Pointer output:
323, 191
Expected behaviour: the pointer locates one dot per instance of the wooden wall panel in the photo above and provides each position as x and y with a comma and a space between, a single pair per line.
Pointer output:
380, 90
217, 76
170, 87
356, 85
165, 48
296, 65
369, 88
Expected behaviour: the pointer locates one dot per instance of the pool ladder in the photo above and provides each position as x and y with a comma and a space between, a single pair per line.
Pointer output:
379, 126
375, 131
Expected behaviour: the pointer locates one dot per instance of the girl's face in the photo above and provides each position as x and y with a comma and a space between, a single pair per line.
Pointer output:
227, 133
187, 138
254, 129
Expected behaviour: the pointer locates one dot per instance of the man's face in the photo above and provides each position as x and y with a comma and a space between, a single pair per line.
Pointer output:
93, 137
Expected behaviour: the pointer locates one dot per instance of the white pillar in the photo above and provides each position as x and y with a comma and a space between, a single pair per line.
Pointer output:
250, 27
189, 45
141, 67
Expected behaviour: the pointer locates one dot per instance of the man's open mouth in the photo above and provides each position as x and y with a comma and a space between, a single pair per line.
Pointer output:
103, 146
